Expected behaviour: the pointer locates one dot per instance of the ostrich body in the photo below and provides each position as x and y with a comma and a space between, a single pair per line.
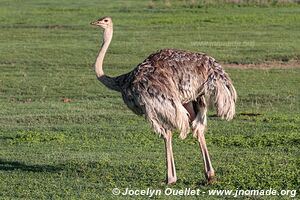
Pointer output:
169, 88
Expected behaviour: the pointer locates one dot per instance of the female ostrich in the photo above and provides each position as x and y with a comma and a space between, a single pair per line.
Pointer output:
169, 88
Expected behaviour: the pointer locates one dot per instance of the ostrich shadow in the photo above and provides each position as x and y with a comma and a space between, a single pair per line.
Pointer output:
6, 165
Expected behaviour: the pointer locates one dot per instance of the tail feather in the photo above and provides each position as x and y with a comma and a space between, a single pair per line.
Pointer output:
223, 93
225, 97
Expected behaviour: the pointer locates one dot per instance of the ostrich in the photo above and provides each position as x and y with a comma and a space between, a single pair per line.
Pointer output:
170, 87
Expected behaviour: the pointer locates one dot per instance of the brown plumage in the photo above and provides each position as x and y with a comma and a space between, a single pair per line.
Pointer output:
169, 88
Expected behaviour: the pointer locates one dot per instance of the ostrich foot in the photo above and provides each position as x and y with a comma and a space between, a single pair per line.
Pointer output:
210, 176
171, 180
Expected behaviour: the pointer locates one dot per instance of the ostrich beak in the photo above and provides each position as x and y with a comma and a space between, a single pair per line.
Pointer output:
93, 23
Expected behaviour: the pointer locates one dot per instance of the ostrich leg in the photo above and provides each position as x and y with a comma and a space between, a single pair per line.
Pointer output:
171, 171
209, 171
199, 128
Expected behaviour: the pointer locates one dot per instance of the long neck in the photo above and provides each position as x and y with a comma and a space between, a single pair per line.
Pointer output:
109, 82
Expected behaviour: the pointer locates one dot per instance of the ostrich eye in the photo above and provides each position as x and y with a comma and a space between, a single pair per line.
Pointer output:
105, 20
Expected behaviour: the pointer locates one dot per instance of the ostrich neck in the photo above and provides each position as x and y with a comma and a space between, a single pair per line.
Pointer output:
107, 36
109, 82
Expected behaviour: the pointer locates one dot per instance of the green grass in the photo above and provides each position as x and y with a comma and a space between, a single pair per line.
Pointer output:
83, 149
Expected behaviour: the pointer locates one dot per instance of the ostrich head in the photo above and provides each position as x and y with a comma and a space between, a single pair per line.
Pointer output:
104, 22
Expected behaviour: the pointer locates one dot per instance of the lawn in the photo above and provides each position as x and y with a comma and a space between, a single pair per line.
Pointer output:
63, 135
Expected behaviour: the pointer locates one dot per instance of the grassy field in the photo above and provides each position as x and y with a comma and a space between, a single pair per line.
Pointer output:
91, 143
